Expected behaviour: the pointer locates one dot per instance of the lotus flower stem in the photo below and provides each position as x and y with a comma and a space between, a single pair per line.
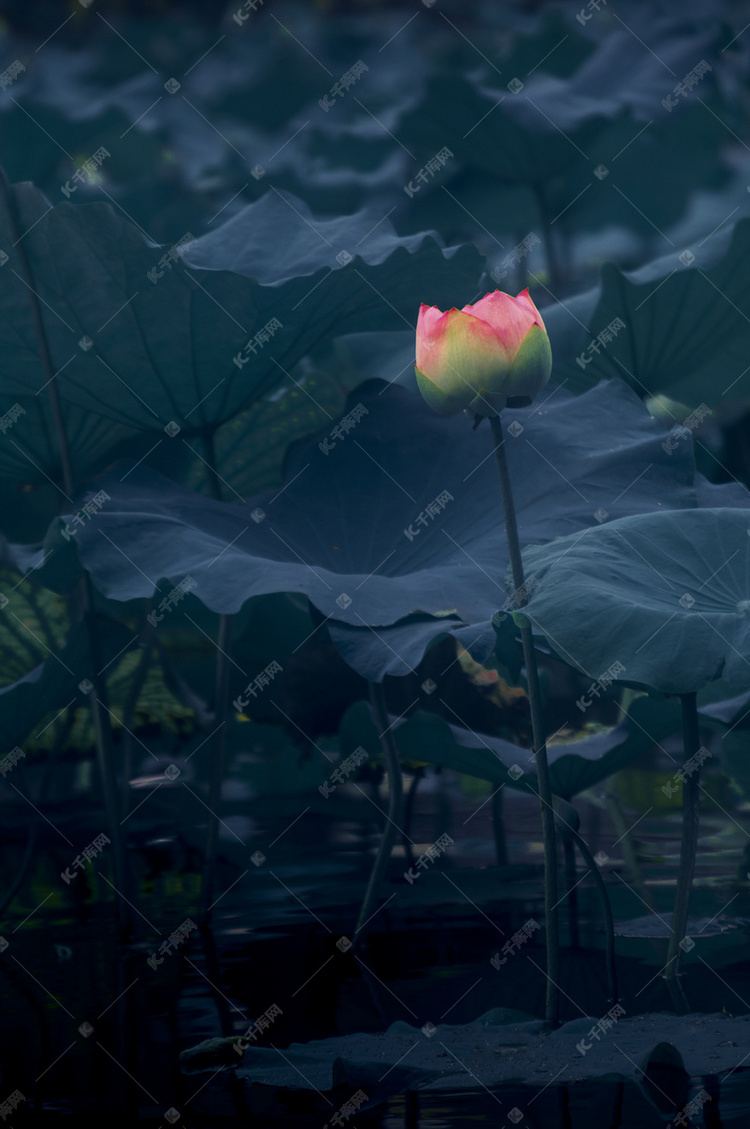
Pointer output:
609, 924
84, 592
568, 822
128, 715
221, 710
537, 728
63, 734
218, 756
627, 841
688, 849
553, 264
498, 827
571, 897
395, 815
411, 796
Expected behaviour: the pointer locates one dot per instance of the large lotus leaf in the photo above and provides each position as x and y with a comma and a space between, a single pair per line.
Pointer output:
686, 326
729, 716
28, 151
147, 351
156, 706
27, 511
648, 722
352, 529
396, 649
538, 125
574, 765
474, 122
236, 111
735, 759
70, 101
542, 41
357, 357
277, 239
427, 737
619, 74
271, 627
664, 595
504, 1050
56, 682
684, 154
33, 621
267, 429
342, 154
29, 448
58, 113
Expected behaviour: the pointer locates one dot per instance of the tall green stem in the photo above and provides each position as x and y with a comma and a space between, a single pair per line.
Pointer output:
571, 881
498, 828
395, 815
84, 593
221, 712
553, 264
609, 924
688, 849
411, 796
627, 842
128, 715
537, 728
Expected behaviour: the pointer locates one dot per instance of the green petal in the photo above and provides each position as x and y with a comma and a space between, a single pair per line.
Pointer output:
532, 364
444, 403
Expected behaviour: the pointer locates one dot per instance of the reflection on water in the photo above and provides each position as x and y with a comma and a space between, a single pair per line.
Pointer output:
92, 1031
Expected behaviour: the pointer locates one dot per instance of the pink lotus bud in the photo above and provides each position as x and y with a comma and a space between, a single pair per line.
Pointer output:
479, 357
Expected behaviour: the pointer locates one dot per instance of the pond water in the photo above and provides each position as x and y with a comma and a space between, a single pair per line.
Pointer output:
92, 1031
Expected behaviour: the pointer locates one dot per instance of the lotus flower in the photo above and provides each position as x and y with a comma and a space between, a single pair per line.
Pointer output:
482, 356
